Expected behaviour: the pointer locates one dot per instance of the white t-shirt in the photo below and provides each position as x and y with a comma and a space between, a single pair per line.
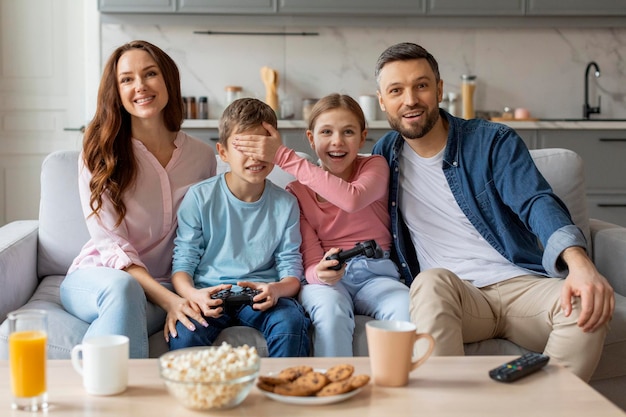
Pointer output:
442, 235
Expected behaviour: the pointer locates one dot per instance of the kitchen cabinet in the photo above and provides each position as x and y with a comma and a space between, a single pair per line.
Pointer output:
476, 7
529, 136
576, 8
228, 6
375, 8
137, 6
603, 153
352, 7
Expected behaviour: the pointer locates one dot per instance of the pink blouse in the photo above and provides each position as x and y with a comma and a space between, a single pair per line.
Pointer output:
355, 210
146, 235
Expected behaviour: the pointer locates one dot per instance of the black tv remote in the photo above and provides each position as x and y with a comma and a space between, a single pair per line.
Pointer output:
519, 367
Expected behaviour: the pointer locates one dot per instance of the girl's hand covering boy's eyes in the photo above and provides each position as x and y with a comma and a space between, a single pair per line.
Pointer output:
262, 148
324, 273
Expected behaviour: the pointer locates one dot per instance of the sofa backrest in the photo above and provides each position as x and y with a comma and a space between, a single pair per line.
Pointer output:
62, 230
564, 171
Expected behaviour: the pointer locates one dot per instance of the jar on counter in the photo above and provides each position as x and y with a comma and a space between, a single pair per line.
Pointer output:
203, 108
468, 88
191, 108
307, 106
233, 92
453, 104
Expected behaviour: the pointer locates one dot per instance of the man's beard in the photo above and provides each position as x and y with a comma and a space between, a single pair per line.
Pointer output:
415, 132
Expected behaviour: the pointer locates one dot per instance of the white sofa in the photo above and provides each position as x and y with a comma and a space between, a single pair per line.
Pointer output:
35, 255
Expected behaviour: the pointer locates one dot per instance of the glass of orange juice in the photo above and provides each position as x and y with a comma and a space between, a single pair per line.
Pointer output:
27, 359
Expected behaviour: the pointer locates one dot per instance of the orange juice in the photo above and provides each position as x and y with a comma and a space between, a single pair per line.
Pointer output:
27, 357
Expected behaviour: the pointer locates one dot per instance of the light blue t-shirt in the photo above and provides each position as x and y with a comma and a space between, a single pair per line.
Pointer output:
222, 240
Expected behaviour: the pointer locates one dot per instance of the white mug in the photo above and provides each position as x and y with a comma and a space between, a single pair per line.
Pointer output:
369, 105
104, 365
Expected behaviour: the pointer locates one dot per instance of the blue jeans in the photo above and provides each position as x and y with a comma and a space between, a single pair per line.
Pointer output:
285, 328
112, 302
370, 287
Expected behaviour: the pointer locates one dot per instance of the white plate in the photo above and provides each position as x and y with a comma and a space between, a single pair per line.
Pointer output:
330, 399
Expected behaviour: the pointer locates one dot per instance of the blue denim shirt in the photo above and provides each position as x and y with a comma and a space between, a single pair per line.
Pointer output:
497, 185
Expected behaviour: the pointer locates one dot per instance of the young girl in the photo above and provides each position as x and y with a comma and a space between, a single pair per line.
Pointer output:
343, 202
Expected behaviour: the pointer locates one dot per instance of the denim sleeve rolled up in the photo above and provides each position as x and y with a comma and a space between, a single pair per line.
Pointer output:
498, 187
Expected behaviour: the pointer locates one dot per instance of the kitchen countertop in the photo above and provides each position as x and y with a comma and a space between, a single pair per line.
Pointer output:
382, 124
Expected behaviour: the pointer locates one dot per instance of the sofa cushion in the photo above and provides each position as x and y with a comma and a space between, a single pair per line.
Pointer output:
64, 330
62, 228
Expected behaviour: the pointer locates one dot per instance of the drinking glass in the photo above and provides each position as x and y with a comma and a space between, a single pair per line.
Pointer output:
27, 359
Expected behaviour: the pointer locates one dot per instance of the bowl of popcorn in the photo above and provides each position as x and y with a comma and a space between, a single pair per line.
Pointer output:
210, 377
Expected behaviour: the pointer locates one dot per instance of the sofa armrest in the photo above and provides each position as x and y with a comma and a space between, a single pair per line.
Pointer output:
609, 252
18, 264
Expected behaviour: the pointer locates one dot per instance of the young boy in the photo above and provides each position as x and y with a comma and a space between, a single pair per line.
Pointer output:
239, 228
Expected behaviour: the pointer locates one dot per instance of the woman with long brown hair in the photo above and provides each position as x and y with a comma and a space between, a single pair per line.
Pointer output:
135, 167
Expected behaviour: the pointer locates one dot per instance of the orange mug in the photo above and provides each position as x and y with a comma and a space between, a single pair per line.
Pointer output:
391, 346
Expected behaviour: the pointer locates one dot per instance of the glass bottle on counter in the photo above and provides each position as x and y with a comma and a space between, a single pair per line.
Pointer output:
307, 106
203, 107
233, 92
468, 88
453, 104
192, 109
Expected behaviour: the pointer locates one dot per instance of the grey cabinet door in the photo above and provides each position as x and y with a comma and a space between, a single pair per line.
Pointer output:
576, 7
476, 7
228, 6
353, 7
529, 136
137, 6
602, 151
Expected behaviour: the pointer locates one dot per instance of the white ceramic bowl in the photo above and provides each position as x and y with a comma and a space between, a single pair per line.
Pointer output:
210, 378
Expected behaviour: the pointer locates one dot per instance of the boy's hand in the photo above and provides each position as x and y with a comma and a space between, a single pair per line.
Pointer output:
327, 275
262, 148
210, 307
266, 298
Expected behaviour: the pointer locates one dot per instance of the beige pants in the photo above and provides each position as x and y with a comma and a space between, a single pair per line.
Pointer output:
525, 310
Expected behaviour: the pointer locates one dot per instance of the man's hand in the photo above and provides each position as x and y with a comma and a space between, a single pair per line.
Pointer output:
262, 148
584, 281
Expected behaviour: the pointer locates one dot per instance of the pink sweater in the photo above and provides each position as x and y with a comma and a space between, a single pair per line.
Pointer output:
354, 211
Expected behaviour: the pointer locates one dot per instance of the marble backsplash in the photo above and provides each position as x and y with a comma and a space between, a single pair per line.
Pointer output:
541, 69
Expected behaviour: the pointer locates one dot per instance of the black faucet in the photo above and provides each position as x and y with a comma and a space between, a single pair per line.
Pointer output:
587, 109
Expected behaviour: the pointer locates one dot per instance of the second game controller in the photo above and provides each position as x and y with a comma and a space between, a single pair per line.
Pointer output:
368, 248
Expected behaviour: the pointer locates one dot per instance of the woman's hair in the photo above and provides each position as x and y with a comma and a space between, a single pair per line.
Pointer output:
336, 101
244, 114
405, 51
107, 147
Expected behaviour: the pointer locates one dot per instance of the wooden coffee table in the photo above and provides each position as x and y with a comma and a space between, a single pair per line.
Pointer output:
443, 386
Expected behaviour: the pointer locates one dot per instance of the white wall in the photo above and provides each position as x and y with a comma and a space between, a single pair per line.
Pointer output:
537, 68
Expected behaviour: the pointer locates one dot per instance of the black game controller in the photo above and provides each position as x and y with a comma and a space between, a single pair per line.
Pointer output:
368, 248
233, 300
